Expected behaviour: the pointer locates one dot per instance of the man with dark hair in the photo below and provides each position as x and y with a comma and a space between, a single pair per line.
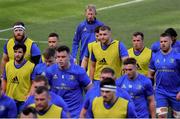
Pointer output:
141, 53
7, 106
155, 47
41, 80
68, 80
95, 92
165, 68
32, 53
85, 32
43, 106
17, 76
28, 112
139, 88
49, 59
108, 105
53, 39
108, 52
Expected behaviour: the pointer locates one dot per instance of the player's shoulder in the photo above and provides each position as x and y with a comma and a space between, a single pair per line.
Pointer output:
52, 68
76, 69
130, 49
144, 79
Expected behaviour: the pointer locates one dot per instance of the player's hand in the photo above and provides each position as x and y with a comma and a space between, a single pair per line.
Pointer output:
178, 96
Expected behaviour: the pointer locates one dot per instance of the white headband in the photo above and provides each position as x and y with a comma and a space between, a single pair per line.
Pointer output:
19, 26
109, 88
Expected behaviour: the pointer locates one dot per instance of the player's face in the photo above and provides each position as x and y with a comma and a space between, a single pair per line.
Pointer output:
106, 75
18, 55
130, 70
41, 101
165, 43
19, 34
107, 95
137, 42
49, 61
104, 36
62, 58
52, 42
90, 15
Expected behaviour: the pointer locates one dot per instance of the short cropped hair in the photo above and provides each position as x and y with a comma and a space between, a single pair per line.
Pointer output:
20, 45
165, 35
171, 31
49, 52
91, 7
97, 29
54, 35
129, 60
40, 78
108, 70
107, 81
28, 110
103, 28
63, 48
138, 33
42, 89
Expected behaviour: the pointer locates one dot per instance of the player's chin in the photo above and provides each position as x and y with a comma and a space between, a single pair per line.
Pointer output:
19, 37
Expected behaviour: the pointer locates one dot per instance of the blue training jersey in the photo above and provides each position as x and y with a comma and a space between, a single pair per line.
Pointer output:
8, 107
55, 99
139, 89
85, 33
69, 85
167, 69
40, 69
155, 47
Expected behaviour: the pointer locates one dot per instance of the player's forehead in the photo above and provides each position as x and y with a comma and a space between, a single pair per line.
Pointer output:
52, 38
42, 95
129, 66
137, 38
18, 50
90, 10
62, 53
166, 38
103, 32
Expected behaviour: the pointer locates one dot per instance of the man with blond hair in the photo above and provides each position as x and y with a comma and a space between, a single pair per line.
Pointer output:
85, 32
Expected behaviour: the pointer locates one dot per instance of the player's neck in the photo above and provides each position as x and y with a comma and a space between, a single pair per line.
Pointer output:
139, 50
166, 52
107, 43
66, 66
112, 101
134, 77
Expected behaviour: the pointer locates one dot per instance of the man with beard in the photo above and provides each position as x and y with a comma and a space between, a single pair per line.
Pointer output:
165, 69
43, 106
108, 105
17, 76
32, 51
